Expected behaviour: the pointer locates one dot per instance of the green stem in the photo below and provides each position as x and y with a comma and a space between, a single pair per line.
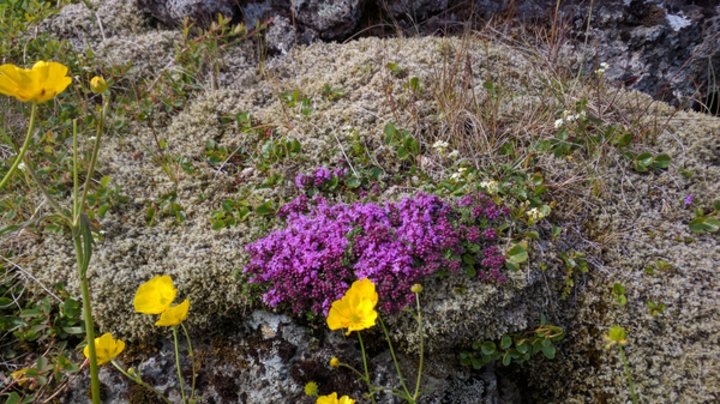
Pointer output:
357, 372
420, 333
58, 210
394, 358
76, 182
96, 149
628, 375
192, 361
23, 149
138, 380
367, 373
177, 364
87, 313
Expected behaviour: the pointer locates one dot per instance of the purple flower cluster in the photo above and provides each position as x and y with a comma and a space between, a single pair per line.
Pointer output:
319, 177
324, 248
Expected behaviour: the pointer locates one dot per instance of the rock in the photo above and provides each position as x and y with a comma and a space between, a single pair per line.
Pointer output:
270, 358
331, 19
173, 12
416, 9
280, 36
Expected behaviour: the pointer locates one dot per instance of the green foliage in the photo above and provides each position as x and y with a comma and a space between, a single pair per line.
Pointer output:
332, 94
654, 308
706, 222
618, 294
645, 162
514, 348
575, 264
404, 144
296, 100
241, 209
165, 206
47, 325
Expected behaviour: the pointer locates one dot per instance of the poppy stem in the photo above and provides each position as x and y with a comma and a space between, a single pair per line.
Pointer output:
96, 148
395, 362
367, 373
87, 313
23, 149
177, 364
192, 361
137, 379
420, 335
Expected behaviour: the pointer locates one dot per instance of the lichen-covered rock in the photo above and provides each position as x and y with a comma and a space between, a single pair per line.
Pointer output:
173, 12
331, 19
269, 358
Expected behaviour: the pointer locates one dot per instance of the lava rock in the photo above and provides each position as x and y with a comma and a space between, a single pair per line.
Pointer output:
174, 12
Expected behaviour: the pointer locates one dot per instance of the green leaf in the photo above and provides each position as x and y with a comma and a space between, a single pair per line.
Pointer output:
353, 182
390, 133
505, 342
266, 209
506, 359
488, 348
705, 224
662, 161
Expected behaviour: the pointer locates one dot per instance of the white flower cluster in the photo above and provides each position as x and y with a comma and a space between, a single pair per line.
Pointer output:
490, 186
459, 174
601, 70
568, 117
535, 214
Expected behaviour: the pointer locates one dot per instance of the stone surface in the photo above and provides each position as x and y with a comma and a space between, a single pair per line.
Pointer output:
269, 358
173, 12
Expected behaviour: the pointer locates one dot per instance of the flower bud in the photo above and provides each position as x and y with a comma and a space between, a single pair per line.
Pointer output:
416, 288
98, 85
334, 362
311, 389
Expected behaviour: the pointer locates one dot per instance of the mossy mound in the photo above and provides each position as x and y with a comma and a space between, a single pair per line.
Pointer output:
627, 220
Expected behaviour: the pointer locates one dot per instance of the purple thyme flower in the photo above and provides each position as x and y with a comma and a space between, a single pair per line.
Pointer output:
321, 176
689, 200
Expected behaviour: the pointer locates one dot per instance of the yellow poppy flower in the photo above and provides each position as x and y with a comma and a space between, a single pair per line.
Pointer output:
332, 399
356, 310
19, 376
155, 295
98, 85
334, 362
39, 84
106, 348
174, 315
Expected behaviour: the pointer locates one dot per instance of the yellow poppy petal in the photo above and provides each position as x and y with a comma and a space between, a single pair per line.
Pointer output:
155, 295
106, 348
174, 315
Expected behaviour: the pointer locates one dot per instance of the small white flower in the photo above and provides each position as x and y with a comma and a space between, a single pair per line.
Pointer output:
440, 145
456, 177
604, 66
21, 166
454, 154
559, 123
490, 186
534, 214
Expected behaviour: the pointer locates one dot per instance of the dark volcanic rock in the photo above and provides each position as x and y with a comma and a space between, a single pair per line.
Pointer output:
173, 12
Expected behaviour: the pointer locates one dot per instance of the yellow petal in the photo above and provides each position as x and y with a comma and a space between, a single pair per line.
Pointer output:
40, 84
106, 348
155, 295
333, 399
174, 315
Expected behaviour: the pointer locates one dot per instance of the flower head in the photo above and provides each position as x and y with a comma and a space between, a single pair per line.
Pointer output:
174, 315
106, 348
356, 310
98, 85
39, 84
311, 389
334, 362
19, 376
616, 336
155, 295
333, 399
